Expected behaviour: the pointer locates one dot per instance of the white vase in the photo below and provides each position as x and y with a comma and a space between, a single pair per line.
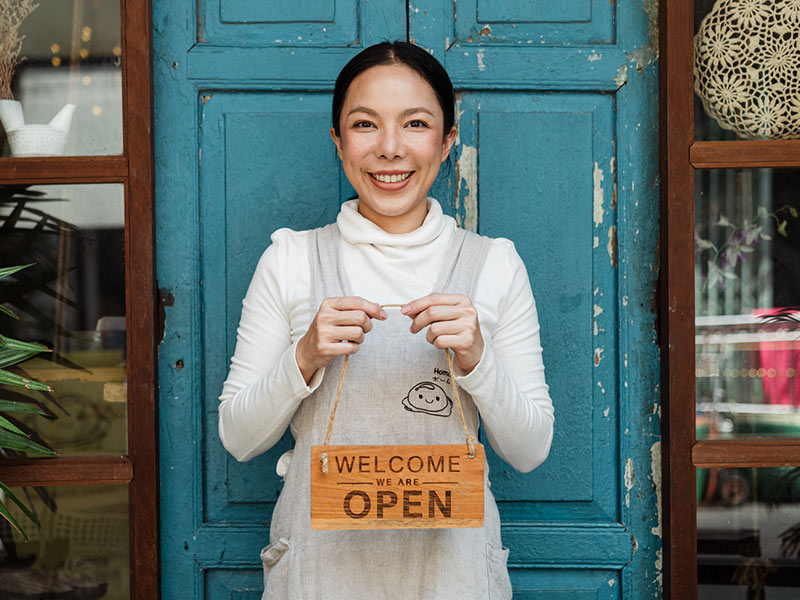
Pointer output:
11, 114
41, 140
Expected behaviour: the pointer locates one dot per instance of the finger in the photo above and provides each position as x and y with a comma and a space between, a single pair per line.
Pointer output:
453, 342
441, 328
435, 314
372, 309
417, 306
337, 334
350, 317
340, 349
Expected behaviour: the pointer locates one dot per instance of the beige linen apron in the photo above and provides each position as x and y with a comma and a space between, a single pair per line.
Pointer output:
397, 391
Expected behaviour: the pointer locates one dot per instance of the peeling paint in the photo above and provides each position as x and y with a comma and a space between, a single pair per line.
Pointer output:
485, 30
606, 411
597, 182
594, 56
621, 78
630, 479
598, 310
655, 474
612, 245
598, 356
206, 98
659, 564
625, 301
467, 172
595, 242
481, 66
611, 582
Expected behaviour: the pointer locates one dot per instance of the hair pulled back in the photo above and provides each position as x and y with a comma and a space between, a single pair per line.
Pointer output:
405, 53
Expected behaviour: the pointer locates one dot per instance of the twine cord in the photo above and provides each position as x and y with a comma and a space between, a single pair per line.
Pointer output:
323, 458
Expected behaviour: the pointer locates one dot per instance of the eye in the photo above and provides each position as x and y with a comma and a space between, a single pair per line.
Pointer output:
362, 125
416, 124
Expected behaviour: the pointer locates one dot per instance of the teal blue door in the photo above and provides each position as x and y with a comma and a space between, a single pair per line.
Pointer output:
557, 150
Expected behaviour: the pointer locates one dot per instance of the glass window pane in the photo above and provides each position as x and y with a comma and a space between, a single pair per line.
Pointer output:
72, 300
748, 533
747, 85
81, 549
73, 55
747, 299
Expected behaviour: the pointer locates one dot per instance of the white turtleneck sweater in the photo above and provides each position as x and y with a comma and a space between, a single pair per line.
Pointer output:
264, 387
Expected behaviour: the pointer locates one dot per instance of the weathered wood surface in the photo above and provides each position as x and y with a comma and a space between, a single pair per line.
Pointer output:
397, 487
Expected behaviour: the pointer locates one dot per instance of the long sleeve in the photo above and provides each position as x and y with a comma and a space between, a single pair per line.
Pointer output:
264, 386
508, 384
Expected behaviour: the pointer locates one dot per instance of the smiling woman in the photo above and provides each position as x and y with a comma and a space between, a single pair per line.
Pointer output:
324, 295
392, 140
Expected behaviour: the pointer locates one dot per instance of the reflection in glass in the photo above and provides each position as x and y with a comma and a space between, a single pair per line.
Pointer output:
747, 302
80, 550
73, 56
748, 533
73, 301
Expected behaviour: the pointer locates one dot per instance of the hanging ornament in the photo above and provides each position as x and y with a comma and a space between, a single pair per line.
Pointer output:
747, 67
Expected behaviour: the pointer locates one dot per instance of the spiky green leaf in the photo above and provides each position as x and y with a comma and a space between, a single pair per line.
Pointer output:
12, 441
8, 312
9, 378
11, 406
18, 502
12, 356
7, 342
6, 271
10, 518
8, 425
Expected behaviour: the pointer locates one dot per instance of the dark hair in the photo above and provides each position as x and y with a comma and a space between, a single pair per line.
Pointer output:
387, 53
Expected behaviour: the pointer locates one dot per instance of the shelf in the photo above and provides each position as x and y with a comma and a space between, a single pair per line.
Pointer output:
63, 169
66, 471
745, 154
746, 453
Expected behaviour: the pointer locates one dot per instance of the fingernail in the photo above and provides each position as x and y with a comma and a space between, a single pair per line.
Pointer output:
383, 314
404, 310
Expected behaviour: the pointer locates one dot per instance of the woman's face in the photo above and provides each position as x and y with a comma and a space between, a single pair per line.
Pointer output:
392, 144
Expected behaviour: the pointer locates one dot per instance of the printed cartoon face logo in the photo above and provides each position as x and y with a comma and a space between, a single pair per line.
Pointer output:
429, 398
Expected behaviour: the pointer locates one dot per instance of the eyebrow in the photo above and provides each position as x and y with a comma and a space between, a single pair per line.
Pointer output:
405, 113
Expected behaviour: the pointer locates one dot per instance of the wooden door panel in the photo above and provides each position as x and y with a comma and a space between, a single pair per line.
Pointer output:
487, 22
546, 202
267, 163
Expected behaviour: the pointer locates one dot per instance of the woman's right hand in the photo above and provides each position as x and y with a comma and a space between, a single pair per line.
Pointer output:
337, 329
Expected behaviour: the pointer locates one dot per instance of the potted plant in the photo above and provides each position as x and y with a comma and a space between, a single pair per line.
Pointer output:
30, 139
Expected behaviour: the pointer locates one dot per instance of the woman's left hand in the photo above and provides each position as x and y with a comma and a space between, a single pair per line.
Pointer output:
452, 322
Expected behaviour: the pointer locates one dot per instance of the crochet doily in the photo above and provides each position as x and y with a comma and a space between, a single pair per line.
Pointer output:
746, 61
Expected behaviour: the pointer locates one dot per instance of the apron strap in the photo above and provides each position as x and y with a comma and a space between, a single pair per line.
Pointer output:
469, 439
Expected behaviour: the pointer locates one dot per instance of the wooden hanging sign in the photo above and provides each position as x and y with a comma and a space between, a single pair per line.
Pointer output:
397, 487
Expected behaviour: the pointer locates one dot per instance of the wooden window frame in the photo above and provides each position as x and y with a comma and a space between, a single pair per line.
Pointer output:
680, 156
134, 170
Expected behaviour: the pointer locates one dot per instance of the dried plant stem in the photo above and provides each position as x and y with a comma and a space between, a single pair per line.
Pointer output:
12, 14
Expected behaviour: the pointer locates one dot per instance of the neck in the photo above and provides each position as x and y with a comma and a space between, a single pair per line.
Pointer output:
395, 224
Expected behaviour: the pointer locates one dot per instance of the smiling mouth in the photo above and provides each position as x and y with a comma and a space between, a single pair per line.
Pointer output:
393, 178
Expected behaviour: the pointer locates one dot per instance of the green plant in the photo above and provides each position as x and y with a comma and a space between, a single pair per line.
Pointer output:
12, 438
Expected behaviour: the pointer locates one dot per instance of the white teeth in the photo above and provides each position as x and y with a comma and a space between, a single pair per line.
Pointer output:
391, 178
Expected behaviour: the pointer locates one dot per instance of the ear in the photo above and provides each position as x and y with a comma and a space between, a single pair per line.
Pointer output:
447, 142
338, 141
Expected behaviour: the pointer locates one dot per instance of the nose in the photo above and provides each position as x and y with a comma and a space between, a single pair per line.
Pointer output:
390, 144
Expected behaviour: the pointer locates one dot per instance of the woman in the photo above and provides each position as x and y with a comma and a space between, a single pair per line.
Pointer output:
317, 296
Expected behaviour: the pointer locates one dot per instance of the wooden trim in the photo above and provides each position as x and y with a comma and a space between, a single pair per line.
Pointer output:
746, 453
66, 471
745, 154
63, 169
676, 299
140, 294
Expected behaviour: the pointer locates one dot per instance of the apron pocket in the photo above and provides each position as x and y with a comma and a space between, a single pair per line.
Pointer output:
496, 565
276, 571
